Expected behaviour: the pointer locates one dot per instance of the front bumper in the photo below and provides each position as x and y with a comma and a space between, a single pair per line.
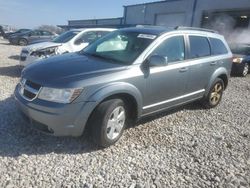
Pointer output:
56, 119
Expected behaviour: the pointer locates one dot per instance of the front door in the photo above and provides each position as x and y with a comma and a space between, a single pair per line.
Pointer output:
166, 85
34, 37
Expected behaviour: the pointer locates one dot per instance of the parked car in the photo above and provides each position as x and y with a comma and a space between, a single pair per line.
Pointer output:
30, 37
70, 41
6, 35
241, 59
126, 75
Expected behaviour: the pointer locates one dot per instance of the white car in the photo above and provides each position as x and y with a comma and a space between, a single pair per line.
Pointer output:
70, 41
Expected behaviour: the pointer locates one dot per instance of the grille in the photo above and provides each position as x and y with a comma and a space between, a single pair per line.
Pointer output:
28, 89
33, 85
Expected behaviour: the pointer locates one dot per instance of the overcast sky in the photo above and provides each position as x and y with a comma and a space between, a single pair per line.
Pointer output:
33, 13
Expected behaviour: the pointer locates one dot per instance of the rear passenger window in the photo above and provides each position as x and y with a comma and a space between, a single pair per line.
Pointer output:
173, 49
199, 47
217, 47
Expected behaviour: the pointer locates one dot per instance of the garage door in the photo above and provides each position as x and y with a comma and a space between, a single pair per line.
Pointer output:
170, 20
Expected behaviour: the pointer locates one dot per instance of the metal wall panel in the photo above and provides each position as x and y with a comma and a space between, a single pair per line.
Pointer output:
147, 13
170, 20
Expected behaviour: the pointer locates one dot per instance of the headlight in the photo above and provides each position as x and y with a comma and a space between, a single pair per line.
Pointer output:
44, 53
59, 95
237, 60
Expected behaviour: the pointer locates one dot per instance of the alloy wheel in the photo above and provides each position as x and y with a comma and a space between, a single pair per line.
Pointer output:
116, 122
216, 94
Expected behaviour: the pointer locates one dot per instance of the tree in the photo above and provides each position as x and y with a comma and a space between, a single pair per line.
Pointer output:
51, 28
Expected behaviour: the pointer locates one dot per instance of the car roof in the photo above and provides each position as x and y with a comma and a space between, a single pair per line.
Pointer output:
153, 30
159, 30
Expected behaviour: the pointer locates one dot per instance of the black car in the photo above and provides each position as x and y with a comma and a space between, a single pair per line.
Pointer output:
241, 59
6, 35
31, 37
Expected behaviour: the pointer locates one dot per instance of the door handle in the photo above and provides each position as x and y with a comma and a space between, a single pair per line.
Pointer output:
184, 69
213, 63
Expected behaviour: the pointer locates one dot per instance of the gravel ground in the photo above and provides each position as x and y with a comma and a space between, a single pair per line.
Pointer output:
187, 147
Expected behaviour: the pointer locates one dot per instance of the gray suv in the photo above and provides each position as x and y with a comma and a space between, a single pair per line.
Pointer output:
122, 77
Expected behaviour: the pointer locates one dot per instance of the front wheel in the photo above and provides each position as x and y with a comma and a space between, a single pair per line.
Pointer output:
22, 42
215, 94
108, 122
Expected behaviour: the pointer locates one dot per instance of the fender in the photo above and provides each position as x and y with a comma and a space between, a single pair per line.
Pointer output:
217, 73
115, 89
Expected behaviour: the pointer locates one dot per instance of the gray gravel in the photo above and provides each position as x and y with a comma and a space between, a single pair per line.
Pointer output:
187, 147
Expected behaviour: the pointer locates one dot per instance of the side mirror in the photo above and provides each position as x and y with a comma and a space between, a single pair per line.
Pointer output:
158, 61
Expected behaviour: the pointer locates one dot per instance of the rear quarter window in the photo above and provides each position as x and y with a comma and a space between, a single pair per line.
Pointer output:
199, 47
217, 47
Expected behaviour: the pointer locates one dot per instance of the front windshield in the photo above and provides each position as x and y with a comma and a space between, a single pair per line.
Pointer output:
65, 37
242, 49
120, 46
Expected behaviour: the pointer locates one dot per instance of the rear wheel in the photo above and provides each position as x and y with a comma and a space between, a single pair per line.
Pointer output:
245, 70
108, 122
22, 42
215, 94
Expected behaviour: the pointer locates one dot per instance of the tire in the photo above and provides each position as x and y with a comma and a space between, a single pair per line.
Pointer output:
22, 42
215, 94
103, 132
245, 70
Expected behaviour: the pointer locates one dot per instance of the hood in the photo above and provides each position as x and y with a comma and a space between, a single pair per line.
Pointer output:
19, 34
41, 45
67, 68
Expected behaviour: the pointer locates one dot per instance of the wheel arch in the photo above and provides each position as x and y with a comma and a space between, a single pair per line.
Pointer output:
127, 92
221, 73
22, 38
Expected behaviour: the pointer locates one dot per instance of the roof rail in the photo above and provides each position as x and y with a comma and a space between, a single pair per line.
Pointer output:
149, 26
195, 28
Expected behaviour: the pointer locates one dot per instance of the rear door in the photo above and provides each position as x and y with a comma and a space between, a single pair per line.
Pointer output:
201, 63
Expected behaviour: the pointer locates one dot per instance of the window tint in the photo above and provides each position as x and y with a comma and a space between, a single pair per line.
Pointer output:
199, 47
217, 46
173, 49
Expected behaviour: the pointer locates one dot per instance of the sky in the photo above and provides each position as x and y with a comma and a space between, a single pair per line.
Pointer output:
33, 13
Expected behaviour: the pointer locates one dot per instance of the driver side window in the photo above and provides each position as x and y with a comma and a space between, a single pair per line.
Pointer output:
173, 49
